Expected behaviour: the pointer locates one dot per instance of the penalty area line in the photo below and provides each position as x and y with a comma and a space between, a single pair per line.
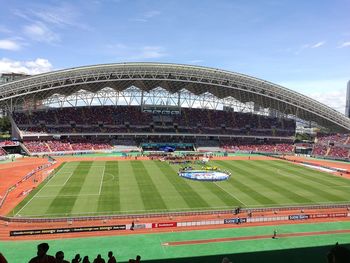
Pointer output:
31, 199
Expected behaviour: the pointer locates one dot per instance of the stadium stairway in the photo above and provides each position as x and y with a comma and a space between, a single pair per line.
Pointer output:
24, 148
328, 150
48, 147
347, 140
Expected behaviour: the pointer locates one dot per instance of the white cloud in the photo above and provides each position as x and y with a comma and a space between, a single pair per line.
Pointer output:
195, 61
151, 13
31, 67
60, 15
335, 98
41, 33
307, 46
146, 16
151, 52
344, 44
318, 44
4, 29
8, 44
132, 53
330, 92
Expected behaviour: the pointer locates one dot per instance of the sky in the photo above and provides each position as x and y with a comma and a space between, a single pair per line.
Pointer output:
303, 45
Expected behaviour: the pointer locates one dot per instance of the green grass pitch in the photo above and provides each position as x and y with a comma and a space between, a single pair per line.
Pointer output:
125, 187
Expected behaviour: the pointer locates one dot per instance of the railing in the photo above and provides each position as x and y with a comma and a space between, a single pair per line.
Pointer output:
172, 214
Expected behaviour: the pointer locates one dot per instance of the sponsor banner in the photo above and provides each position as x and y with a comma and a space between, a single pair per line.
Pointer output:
298, 217
162, 225
66, 230
319, 216
338, 215
329, 215
235, 220
140, 226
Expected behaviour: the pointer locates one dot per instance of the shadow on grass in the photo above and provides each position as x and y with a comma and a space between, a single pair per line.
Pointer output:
296, 255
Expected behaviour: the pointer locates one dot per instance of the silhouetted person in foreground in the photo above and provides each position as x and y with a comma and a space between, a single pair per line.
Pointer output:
99, 259
86, 259
111, 258
60, 257
137, 260
338, 254
2, 258
41, 255
76, 259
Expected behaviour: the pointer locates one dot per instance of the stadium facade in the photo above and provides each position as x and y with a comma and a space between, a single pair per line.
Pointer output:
347, 107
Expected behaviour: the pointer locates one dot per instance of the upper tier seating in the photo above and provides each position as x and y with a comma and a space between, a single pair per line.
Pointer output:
130, 119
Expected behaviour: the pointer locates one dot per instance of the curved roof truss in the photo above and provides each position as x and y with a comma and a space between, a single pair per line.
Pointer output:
173, 78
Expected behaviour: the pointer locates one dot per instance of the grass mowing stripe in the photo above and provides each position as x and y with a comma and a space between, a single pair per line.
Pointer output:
338, 189
312, 188
280, 187
90, 190
165, 187
130, 198
62, 204
149, 192
326, 180
268, 187
258, 197
109, 200
191, 197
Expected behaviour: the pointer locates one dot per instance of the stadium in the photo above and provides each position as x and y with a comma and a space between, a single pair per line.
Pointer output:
109, 149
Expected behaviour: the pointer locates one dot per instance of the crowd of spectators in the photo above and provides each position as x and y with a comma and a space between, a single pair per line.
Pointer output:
335, 138
338, 152
37, 146
267, 147
320, 150
131, 119
333, 145
68, 145
7, 143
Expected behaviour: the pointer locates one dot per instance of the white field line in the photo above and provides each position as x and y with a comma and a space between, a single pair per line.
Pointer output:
31, 199
230, 194
67, 179
103, 174
52, 185
109, 179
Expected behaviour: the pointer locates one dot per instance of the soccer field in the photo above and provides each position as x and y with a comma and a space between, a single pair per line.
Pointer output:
125, 187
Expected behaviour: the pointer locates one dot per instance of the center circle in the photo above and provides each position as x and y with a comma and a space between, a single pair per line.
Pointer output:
204, 175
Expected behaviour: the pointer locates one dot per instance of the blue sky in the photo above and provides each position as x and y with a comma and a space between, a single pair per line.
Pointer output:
302, 44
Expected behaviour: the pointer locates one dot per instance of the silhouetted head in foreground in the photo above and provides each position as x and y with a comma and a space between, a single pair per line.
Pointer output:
42, 249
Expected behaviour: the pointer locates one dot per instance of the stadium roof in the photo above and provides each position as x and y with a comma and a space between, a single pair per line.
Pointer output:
174, 78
